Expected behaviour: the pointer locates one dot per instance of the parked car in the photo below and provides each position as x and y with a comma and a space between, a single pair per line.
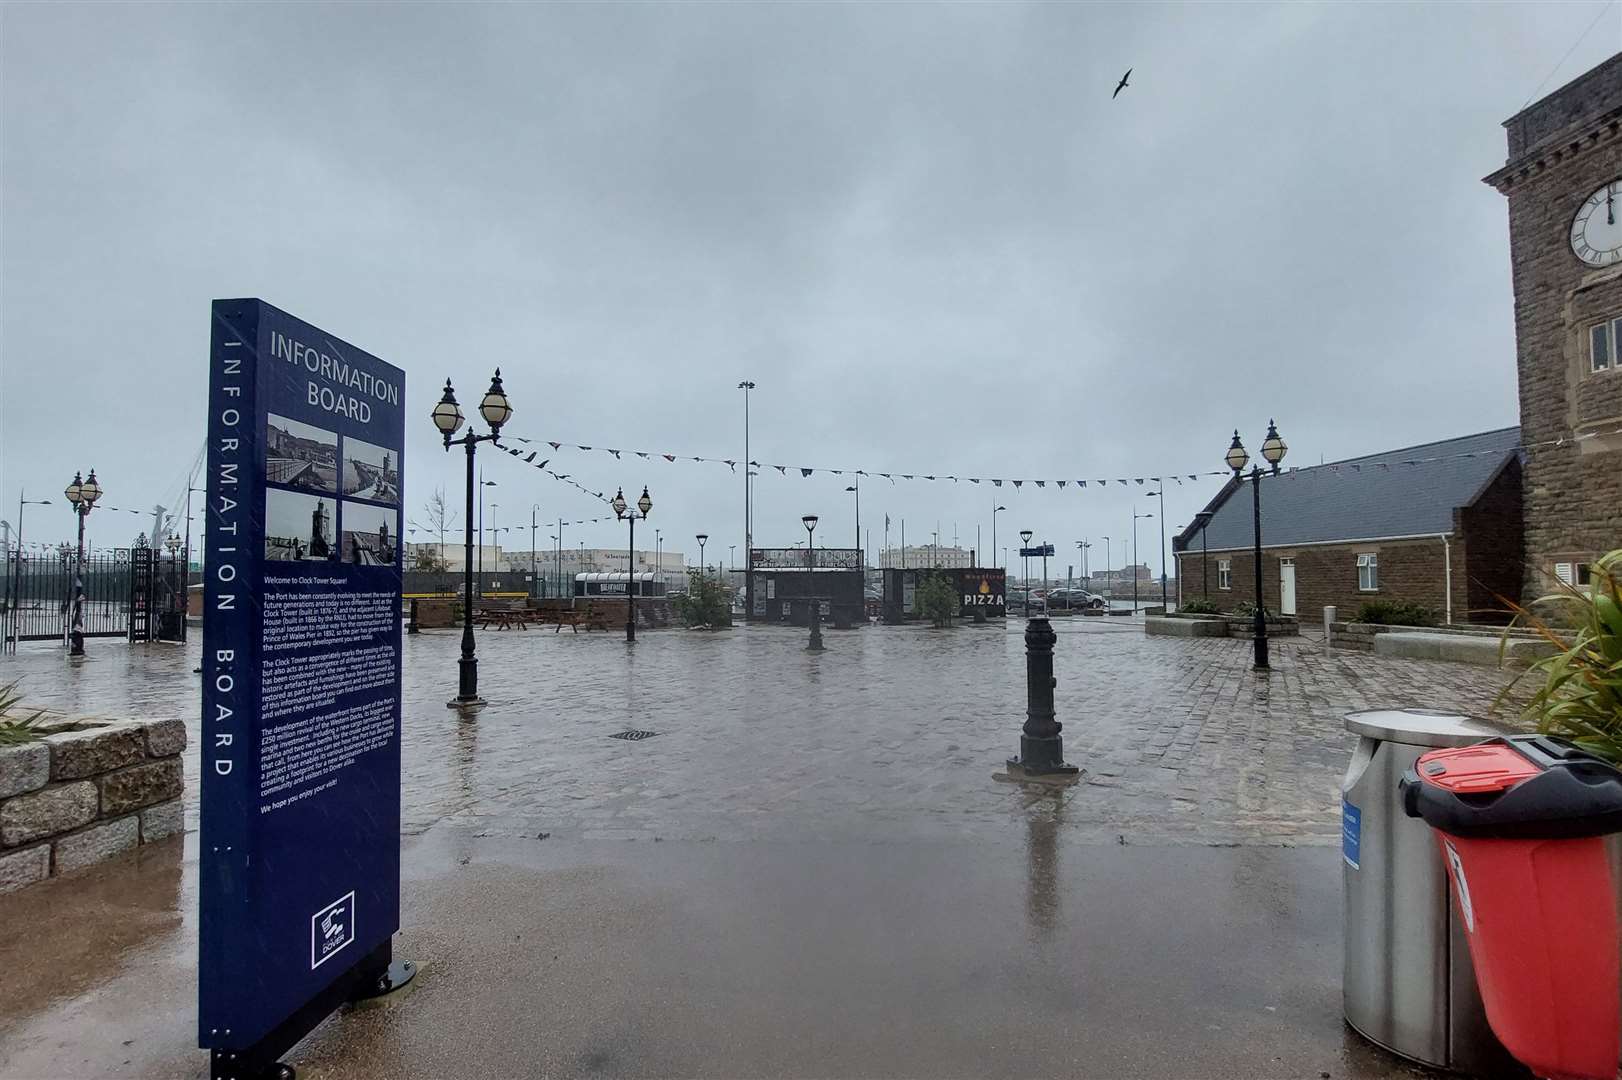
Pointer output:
1074, 599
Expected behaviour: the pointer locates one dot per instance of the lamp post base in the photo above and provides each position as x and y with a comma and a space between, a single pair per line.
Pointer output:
76, 643
1041, 756
466, 703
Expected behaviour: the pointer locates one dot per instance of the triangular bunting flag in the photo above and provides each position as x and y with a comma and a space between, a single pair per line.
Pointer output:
616, 454
906, 476
974, 479
996, 483
668, 457
555, 445
1081, 483
1041, 483
805, 472
1139, 480
642, 453
1017, 483
781, 468
531, 458
1061, 484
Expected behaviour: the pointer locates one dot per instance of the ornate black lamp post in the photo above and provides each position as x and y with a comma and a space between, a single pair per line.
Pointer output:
1203, 520
814, 610
447, 417
702, 538
1025, 574
1273, 449
83, 495
644, 504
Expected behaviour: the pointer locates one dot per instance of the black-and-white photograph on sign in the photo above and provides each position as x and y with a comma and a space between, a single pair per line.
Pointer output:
299, 527
299, 455
370, 472
371, 535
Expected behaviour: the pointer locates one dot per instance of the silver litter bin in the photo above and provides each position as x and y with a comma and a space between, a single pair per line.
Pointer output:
1408, 983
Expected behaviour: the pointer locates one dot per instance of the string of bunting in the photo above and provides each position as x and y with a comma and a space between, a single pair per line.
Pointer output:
563, 477
806, 470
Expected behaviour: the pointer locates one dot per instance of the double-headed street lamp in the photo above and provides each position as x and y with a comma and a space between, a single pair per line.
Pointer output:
813, 609
1025, 573
447, 417
1273, 450
644, 504
83, 495
1136, 517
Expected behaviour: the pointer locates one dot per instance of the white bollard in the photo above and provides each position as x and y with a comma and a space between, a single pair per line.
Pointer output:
1329, 627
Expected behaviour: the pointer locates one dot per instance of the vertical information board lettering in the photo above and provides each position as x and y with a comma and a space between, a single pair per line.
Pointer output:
299, 877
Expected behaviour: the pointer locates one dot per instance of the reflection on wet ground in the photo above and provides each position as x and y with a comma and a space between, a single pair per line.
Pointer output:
890, 732
877, 904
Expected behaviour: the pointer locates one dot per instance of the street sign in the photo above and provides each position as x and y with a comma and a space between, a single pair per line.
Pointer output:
299, 858
1036, 552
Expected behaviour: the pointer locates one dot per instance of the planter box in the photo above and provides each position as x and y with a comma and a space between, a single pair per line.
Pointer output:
89, 789
1187, 626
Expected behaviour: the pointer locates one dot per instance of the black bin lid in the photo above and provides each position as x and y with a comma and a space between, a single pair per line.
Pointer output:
1520, 787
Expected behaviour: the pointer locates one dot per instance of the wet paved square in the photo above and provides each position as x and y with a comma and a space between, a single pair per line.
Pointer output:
809, 870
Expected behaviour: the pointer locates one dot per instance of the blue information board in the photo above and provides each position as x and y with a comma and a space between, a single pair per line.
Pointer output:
299, 876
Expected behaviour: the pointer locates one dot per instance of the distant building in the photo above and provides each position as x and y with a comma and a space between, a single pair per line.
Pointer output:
926, 556
1437, 525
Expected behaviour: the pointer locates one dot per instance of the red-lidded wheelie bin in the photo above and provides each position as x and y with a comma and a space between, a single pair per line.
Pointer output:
1520, 823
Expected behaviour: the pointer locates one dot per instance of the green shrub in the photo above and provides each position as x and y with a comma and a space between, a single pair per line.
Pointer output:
16, 729
936, 599
1581, 695
1199, 606
706, 602
1395, 613
1246, 609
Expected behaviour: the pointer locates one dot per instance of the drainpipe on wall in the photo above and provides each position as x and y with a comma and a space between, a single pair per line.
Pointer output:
1447, 569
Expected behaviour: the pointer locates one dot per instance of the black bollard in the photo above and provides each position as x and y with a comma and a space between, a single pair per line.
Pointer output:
1041, 750
412, 628
814, 617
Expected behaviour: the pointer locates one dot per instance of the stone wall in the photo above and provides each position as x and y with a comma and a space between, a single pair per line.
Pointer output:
89, 790
1562, 149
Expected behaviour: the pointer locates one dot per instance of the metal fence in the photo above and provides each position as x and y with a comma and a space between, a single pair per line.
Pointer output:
135, 593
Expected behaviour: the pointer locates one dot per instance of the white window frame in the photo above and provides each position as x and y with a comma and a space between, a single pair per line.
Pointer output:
1368, 571
1606, 358
1224, 573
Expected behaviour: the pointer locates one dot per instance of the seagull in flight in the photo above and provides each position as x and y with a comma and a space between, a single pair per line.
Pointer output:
1121, 85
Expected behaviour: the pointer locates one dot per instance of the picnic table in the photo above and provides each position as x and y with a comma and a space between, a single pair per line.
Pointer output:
504, 619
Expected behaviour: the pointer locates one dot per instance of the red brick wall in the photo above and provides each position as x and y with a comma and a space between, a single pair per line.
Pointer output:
1410, 570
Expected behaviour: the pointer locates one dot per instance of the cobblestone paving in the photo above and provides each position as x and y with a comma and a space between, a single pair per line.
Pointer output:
890, 734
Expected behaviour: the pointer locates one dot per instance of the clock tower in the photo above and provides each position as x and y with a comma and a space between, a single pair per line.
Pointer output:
1563, 180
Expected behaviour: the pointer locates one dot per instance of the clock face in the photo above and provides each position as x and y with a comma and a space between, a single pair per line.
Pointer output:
1596, 231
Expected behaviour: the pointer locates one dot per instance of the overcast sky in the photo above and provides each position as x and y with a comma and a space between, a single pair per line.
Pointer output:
926, 232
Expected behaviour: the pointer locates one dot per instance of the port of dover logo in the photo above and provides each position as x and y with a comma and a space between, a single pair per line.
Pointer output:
331, 928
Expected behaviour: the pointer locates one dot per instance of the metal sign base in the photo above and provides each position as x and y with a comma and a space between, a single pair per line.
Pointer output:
377, 974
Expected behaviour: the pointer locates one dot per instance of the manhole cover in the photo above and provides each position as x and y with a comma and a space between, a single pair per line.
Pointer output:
633, 736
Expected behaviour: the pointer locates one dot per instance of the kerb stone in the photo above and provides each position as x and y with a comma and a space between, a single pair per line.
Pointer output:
24, 867
96, 843
24, 768
165, 738
163, 820
140, 785
51, 810
78, 754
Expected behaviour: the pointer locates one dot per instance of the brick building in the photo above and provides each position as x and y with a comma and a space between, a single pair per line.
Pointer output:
1438, 525
1563, 180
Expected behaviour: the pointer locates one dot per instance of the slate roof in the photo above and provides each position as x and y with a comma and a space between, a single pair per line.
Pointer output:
1364, 498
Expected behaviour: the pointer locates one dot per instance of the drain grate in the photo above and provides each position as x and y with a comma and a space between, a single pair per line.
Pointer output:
633, 736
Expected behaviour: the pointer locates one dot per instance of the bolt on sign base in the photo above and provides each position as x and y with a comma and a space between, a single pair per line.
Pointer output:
389, 984
466, 706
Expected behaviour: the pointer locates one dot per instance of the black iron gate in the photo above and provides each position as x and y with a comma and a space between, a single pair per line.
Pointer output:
39, 586
143, 594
